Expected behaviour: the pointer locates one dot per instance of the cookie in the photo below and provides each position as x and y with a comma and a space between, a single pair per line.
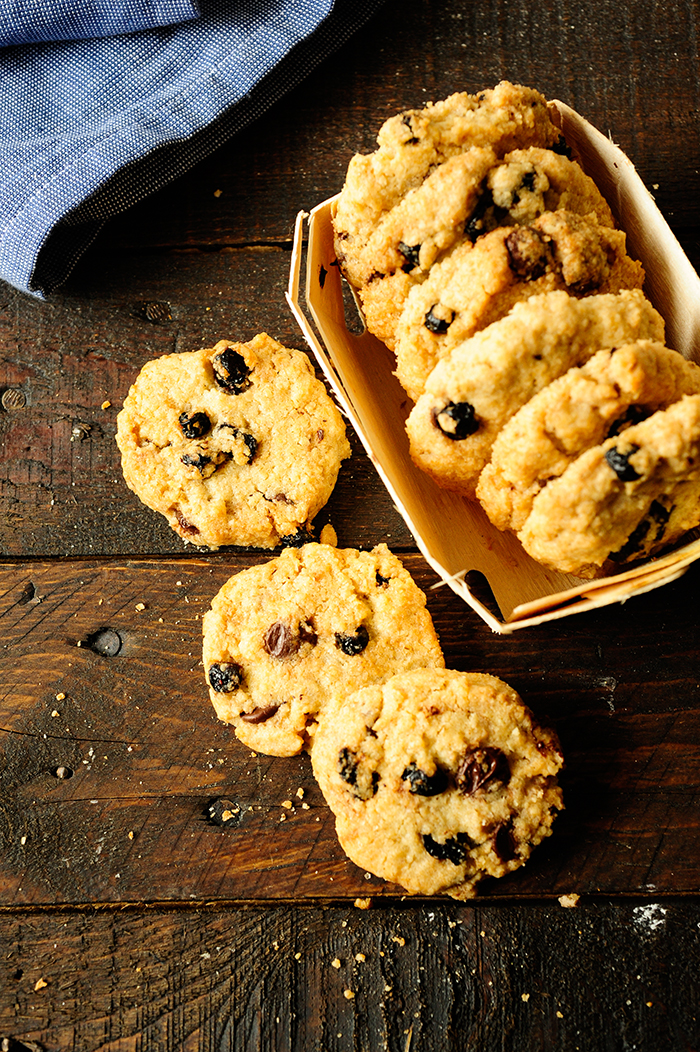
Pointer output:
437, 779
416, 142
623, 500
477, 388
477, 285
281, 637
235, 444
613, 390
460, 201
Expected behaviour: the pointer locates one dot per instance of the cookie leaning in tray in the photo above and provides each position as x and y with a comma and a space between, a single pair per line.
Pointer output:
283, 636
437, 779
623, 500
477, 388
613, 390
235, 444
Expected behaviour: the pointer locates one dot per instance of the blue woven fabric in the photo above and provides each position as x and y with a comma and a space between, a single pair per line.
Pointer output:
37, 21
89, 127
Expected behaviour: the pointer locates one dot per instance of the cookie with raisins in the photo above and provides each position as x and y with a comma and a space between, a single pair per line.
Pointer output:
476, 285
283, 636
437, 779
612, 391
481, 384
624, 500
239, 443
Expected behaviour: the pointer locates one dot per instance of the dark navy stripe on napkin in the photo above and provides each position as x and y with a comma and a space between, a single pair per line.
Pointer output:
89, 127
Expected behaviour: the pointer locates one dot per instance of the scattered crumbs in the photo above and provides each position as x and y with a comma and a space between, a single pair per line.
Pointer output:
55, 713
40, 984
100, 602
525, 997
218, 193
140, 606
161, 620
560, 1015
363, 904
106, 404
482, 934
178, 584
287, 804
130, 834
335, 963
655, 186
568, 901
300, 793
283, 818
253, 754
344, 924
398, 939
297, 956
23, 840
387, 989
348, 994
275, 946
60, 697
305, 807
360, 957
381, 953
451, 924
649, 1004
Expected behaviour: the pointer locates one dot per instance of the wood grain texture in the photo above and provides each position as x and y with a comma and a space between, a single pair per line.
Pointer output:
453, 979
147, 758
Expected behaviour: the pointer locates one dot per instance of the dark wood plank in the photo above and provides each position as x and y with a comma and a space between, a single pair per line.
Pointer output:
148, 757
437, 979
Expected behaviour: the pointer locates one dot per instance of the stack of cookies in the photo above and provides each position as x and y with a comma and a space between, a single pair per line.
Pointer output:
491, 265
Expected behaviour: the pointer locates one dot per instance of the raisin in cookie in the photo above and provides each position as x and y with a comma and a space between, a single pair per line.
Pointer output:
236, 444
613, 390
476, 285
460, 201
477, 388
281, 637
623, 500
437, 779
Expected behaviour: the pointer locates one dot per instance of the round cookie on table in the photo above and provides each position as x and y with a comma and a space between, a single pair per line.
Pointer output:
281, 637
623, 500
437, 779
239, 443
473, 392
613, 390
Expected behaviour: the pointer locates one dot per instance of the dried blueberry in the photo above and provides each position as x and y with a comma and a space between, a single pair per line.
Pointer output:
196, 460
406, 119
231, 371
481, 766
434, 323
194, 426
302, 535
279, 640
411, 254
423, 784
504, 843
562, 147
347, 766
260, 714
225, 676
352, 643
455, 849
527, 254
619, 462
456, 420
634, 414
363, 782
307, 633
648, 532
476, 223
249, 441
382, 581
185, 525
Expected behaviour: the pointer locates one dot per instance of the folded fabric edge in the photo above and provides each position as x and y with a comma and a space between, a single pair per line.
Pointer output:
71, 236
38, 24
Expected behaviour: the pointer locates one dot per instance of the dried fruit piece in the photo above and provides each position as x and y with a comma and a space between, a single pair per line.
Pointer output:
225, 676
231, 371
423, 784
352, 643
456, 420
260, 714
480, 767
504, 843
619, 462
438, 319
527, 253
454, 849
279, 640
194, 425
411, 254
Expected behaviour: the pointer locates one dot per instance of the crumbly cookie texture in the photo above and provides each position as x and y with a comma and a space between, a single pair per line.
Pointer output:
235, 444
478, 284
437, 779
460, 201
623, 500
613, 390
480, 385
283, 636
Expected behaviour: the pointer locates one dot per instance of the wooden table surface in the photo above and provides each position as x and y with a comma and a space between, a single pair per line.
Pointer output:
129, 919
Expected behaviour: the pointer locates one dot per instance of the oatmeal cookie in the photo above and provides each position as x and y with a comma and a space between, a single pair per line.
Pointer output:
477, 388
437, 779
477, 285
281, 637
235, 444
623, 500
613, 390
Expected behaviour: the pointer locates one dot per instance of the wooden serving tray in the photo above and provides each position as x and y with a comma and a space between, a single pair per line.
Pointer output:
453, 533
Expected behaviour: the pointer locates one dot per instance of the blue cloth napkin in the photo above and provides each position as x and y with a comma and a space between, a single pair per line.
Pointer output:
88, 127
36, 21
